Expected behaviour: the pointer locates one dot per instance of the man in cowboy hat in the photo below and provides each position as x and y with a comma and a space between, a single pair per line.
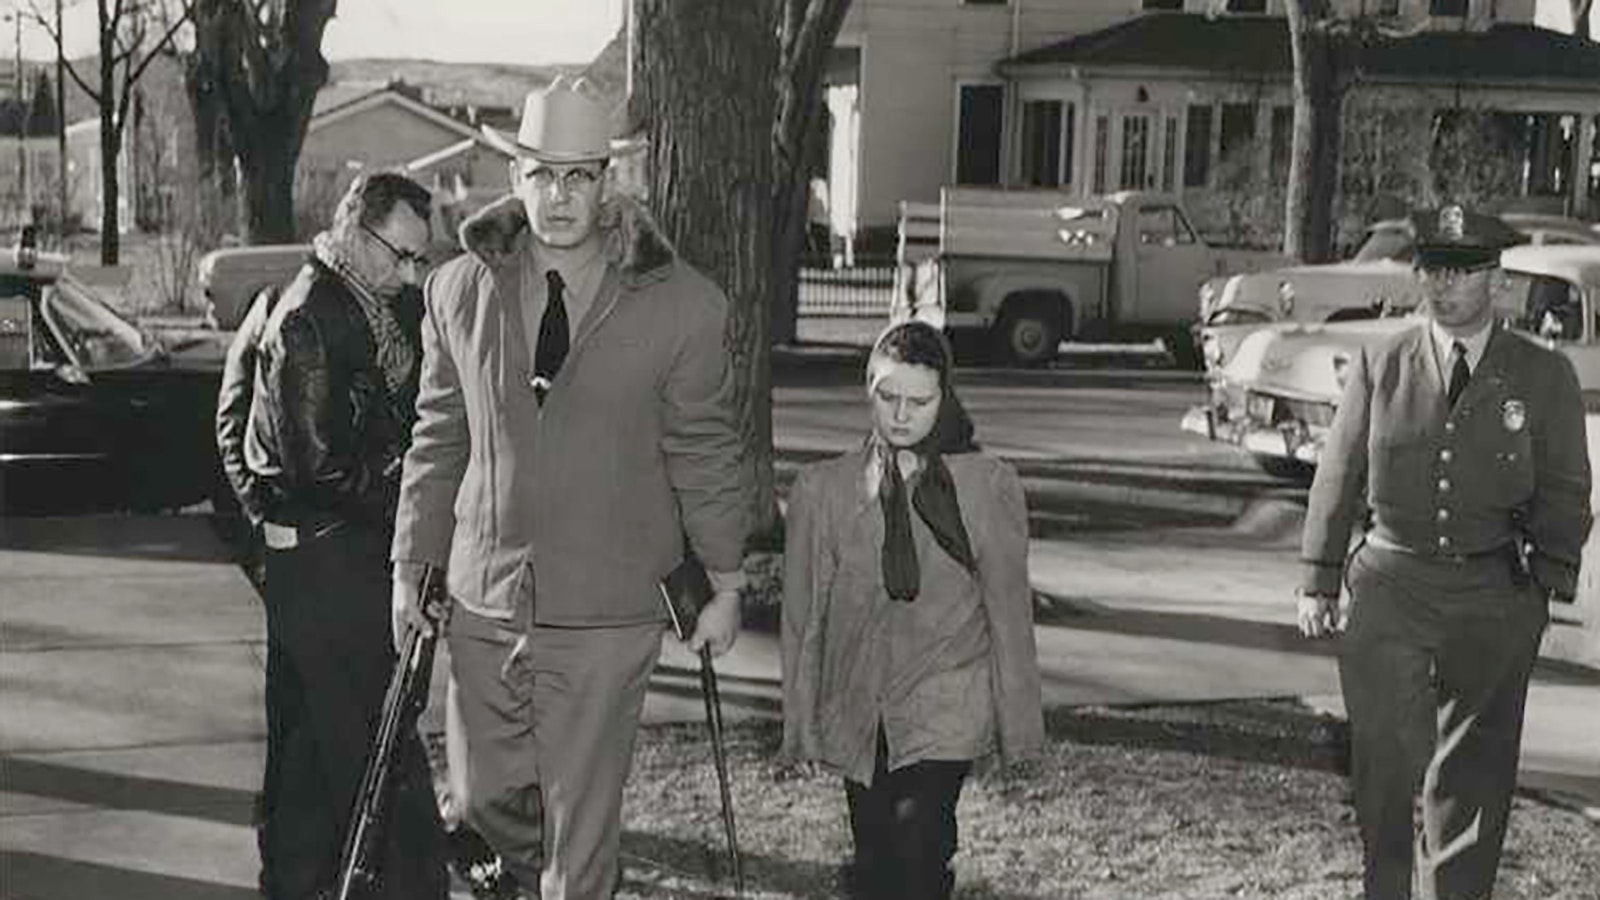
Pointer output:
1461, 444
576, 429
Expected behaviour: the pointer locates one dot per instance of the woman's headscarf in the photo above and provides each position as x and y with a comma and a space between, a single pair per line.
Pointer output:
920, 344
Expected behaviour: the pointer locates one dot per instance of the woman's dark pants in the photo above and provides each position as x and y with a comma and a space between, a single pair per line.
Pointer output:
904, 826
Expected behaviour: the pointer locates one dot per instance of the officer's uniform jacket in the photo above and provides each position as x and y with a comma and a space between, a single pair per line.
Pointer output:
1510, 458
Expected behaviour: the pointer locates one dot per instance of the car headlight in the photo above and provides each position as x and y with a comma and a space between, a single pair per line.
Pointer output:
1285, 298
1211, 351
1341, 369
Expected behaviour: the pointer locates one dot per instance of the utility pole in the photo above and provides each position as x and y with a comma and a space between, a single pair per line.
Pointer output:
22, 122
61, 127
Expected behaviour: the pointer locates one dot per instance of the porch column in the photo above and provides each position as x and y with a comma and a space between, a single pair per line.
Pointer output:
1582, 159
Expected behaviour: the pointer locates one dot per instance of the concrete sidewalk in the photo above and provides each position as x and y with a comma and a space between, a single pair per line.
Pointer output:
130, 691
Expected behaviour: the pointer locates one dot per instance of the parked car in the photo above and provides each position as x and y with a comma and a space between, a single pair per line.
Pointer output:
95, 413
232, 276
1375, 282
1277, 396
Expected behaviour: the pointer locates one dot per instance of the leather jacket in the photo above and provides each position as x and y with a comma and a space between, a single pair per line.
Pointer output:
325, 439
233, 404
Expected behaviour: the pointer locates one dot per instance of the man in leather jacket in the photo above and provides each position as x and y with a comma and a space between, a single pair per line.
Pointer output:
329, 419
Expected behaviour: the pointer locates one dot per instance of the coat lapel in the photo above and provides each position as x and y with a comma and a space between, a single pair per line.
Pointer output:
1488, 381
1425, 376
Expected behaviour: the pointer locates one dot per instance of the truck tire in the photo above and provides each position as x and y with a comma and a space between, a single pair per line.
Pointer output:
1287, 469
1029, 331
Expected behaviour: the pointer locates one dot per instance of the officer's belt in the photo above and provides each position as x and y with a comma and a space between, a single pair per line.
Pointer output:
1377, 539
288, 537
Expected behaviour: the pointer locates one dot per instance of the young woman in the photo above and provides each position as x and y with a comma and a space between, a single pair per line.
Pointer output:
908, 647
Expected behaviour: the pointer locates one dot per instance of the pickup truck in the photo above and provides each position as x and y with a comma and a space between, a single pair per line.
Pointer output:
1023, 270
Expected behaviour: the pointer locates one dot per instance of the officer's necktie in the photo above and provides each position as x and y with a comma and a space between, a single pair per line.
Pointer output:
551, 350
1459, 373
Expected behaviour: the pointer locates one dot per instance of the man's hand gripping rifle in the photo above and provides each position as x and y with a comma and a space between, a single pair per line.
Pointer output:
405, 700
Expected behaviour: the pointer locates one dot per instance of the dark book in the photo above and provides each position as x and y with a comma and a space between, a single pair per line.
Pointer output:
686, 590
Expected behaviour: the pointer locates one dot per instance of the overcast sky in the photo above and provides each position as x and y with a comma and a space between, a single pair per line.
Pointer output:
514, 31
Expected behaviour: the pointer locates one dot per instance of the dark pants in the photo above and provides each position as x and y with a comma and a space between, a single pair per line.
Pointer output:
328, 602
904, 827
1424, 633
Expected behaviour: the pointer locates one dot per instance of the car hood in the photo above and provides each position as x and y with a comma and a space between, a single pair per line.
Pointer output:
1306, 361
1321, 290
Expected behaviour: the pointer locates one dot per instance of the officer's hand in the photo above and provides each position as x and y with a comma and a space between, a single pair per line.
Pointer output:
405, 606
1320, 616
718, 624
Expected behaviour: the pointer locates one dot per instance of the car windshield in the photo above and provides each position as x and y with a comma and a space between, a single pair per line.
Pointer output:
93, 333
1386, 243
1544, 305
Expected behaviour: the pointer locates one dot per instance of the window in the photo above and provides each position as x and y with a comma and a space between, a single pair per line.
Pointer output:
1169, 154
1238, 128
1175, 5
1247, 6
1387, 8
1135, 153
1162, 226
1454, 8
1102, 134
1282, 139
1046, 143
978, 144
1197, 147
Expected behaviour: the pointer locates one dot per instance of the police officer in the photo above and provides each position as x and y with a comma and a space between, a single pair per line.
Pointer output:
1461, 446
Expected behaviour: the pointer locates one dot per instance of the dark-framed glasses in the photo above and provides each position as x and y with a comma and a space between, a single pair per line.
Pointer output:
571, 180
402, 255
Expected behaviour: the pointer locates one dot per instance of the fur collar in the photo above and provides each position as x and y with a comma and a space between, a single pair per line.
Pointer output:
632, 240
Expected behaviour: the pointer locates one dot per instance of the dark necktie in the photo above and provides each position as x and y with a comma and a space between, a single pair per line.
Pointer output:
1459, 373
551, 350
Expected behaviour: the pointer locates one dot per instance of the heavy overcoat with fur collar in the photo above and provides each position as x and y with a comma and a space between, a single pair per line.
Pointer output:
591, 494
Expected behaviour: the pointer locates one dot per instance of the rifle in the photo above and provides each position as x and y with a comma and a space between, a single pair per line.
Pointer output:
685, 591
404, 701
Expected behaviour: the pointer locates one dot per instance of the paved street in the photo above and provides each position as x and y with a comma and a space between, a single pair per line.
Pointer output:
130, 648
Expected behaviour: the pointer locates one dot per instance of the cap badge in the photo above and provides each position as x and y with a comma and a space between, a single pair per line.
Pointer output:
1452, 223
1514, 413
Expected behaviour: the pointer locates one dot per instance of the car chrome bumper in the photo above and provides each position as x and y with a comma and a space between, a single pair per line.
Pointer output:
1289, 440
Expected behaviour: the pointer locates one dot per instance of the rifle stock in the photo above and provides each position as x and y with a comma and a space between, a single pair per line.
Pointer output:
402, 703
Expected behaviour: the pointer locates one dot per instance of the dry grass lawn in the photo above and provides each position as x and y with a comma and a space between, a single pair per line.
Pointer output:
1234, 800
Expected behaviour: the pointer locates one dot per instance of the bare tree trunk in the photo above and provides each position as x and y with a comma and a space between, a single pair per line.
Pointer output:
807, 30
1314, 152
269, 72
110, 132
704, 76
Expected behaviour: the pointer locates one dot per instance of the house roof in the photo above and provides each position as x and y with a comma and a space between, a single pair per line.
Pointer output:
1260, 45
390, 95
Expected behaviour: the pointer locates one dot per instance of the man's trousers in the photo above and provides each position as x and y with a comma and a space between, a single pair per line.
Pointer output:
550, 735
1425, 632
328, 602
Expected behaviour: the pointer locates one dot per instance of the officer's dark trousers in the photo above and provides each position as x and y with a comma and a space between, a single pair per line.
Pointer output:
328, 602
1422, 633
904, 826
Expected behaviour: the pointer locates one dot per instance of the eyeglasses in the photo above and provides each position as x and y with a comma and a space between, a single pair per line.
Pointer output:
402, 256
571, 180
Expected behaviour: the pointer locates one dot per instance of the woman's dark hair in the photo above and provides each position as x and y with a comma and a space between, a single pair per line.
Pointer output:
917, 343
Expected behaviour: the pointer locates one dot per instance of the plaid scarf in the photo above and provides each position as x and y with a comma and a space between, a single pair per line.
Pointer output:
397, 355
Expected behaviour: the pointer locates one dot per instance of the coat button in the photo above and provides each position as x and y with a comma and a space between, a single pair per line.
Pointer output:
1444, 484
1445, 455
1444, 542
1450, 427
1442, 515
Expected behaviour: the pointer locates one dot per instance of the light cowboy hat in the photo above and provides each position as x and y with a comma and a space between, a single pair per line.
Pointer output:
567, 122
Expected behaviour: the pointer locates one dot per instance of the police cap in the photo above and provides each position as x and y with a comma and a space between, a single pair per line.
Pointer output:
1453, 238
